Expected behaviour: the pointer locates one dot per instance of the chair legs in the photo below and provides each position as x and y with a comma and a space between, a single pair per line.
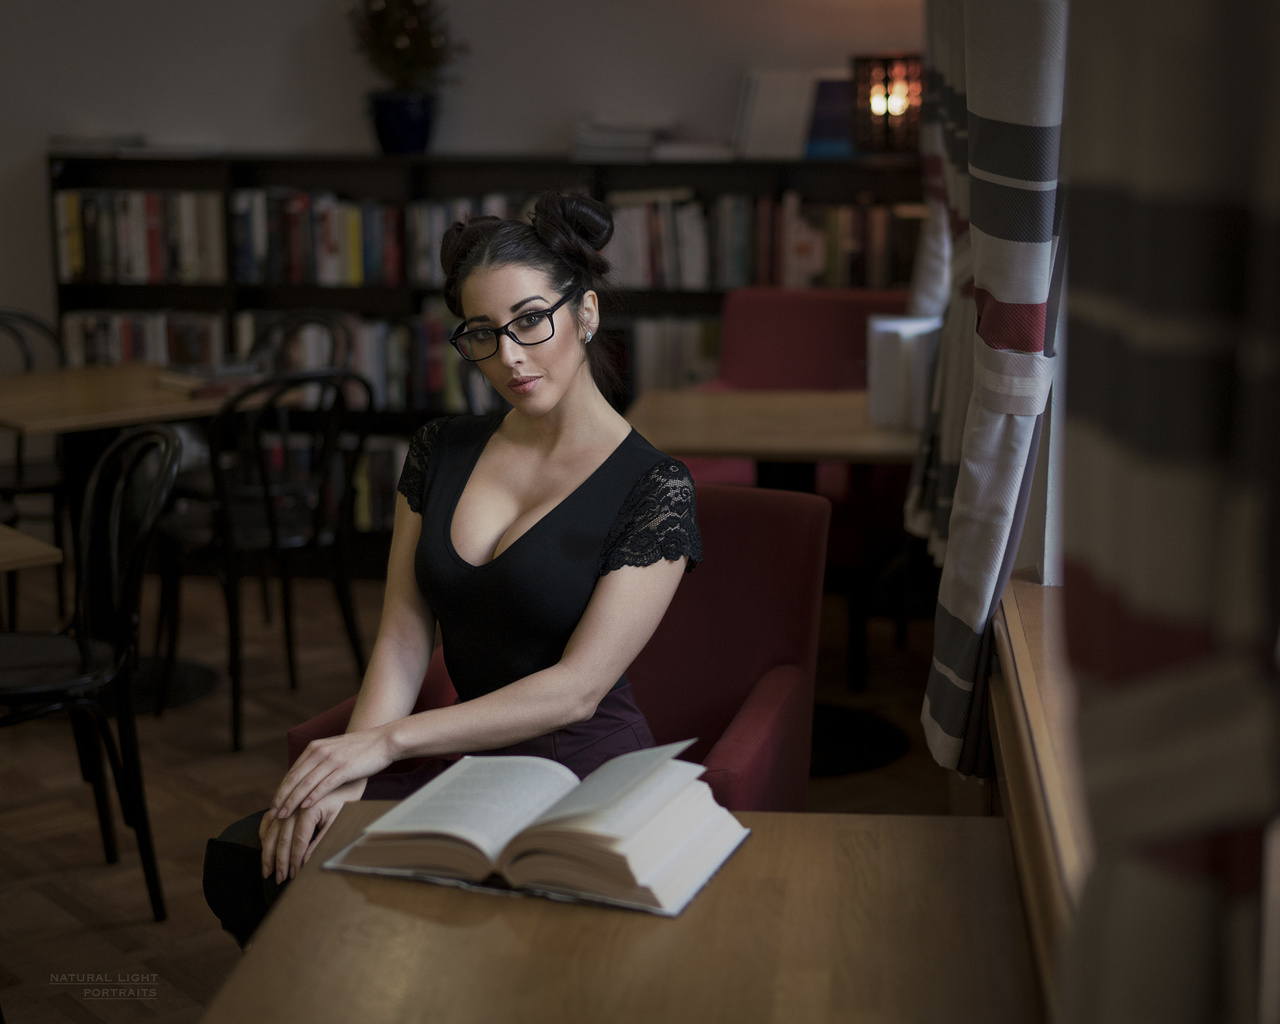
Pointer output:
230, 575
342, 589
231, 589
167, 625
133, 799
59, 513
286, 612
90, 752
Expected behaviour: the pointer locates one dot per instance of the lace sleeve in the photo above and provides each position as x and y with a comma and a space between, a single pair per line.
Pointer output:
414, 474
658, 520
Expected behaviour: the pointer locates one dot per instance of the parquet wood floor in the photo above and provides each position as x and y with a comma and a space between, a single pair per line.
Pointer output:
77, 942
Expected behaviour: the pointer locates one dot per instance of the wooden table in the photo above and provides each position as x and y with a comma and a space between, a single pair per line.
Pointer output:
771, 426
18, 551
815, 918
87, 405
94, 397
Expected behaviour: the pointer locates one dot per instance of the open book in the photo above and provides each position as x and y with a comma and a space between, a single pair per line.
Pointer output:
640, 831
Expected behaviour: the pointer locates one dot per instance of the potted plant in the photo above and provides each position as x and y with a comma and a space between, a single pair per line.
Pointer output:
408, 42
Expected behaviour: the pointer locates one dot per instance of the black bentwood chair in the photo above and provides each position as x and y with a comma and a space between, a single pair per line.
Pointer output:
29, 343
88, 671
283, 453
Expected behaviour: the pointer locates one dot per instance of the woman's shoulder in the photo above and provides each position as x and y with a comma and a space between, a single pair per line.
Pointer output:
451, 429
654, 467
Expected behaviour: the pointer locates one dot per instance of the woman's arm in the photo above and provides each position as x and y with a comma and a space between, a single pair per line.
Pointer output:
389, 691
625, 609
406, 633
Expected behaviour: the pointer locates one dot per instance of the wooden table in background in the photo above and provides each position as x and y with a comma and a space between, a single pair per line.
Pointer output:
88, 405
815, 918
770, 426
18, 551
93, 398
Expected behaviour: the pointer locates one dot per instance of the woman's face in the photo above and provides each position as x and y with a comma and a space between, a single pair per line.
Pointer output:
533, 378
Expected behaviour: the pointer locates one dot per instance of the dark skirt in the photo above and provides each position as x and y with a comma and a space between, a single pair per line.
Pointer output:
240, 897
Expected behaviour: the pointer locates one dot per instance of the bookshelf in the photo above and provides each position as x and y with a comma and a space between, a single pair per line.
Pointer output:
192, 239
878, 180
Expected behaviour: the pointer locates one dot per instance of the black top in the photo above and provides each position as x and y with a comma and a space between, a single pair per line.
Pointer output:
513, 615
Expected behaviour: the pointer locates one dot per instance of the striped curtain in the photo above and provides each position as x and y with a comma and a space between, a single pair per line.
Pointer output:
997, 69
1172, 483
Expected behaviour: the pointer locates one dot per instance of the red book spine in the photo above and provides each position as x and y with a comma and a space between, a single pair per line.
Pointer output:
392, 245
157, 239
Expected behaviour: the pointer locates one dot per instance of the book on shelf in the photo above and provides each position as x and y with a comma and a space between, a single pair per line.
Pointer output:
139, 236
107, 337
641, 831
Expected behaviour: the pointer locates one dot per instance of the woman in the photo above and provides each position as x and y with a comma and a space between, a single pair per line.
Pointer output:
546, 542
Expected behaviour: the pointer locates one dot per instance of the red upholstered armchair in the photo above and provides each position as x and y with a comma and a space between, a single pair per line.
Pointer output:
732, 662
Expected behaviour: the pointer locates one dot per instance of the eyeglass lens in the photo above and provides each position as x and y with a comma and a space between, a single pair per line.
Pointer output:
530, 329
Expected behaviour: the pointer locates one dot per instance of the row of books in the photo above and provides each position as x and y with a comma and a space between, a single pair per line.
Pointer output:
291, 236
163, 338
134, 236
410, 365
664, 239
667, 239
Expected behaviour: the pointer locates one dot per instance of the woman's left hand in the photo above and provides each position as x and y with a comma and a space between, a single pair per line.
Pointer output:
329, 763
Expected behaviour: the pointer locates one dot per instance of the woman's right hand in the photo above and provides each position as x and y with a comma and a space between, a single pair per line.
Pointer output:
287, 843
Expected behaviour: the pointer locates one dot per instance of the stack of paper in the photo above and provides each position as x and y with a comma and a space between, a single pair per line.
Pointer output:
601, 140
900, 355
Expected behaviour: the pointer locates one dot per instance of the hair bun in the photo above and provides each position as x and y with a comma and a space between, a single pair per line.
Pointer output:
590, 220
575, 228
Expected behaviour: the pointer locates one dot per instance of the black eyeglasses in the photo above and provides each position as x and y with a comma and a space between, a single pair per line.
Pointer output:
531, 328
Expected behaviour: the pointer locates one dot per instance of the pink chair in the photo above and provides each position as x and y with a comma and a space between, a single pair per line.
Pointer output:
793, 339
732, 663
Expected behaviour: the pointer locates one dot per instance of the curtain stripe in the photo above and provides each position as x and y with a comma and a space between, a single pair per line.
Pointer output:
1190, 749
1023, 151
956, 643
1014, 214
1178, 258
950, 699
1012, 271
946, 748
1009, 325
1124, 641
1163, 405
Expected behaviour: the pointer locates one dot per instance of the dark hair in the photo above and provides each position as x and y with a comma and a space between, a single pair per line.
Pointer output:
563, 239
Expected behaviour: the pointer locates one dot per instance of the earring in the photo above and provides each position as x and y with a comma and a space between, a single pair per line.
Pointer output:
588, 339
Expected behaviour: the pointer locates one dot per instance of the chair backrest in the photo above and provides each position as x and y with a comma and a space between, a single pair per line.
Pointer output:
34, 342
752, 605
127, 490
288, 446
276, 339
796, 338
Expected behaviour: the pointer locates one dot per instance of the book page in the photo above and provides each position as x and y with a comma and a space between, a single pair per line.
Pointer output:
612, 780
484, 800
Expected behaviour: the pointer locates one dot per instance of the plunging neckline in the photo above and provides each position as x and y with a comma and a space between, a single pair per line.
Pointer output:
466, 479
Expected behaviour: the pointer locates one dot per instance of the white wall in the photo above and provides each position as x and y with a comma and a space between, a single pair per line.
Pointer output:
283, 75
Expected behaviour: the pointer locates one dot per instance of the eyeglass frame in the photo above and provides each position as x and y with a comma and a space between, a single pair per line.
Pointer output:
456, 338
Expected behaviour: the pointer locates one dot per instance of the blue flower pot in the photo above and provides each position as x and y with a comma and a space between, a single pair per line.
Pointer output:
402, 119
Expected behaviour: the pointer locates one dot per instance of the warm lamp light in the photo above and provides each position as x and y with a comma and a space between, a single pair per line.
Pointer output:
887, 91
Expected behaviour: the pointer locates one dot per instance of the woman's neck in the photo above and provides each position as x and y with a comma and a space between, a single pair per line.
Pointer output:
583, 418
